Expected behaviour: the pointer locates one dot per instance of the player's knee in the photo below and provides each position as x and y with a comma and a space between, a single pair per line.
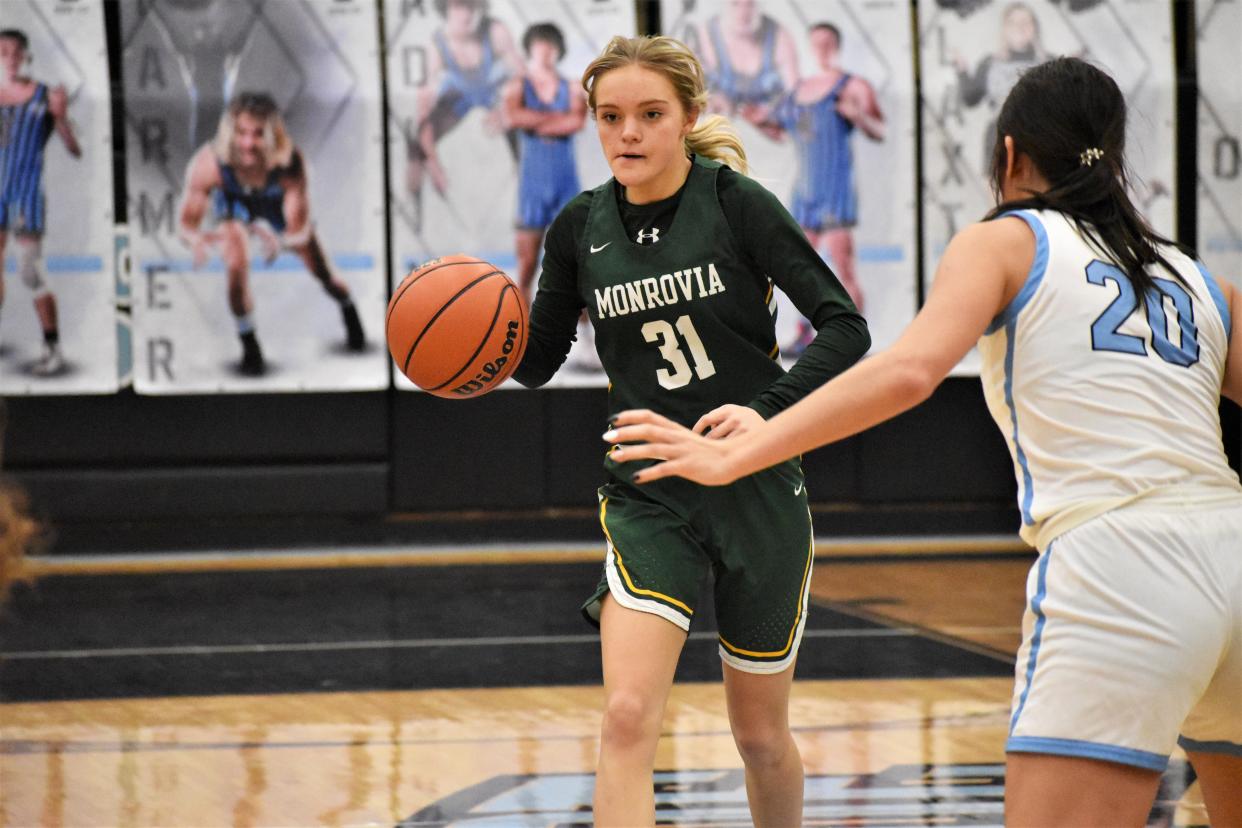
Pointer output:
762, 744
28, 267
630, 720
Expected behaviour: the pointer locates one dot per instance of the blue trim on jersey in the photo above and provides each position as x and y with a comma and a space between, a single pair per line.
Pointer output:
1033, 279
1089, 750
1218, 299
1227, 748
1028, 485
1037, 604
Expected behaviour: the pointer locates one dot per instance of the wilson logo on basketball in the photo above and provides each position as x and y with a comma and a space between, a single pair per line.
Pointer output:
489, 371
457, 327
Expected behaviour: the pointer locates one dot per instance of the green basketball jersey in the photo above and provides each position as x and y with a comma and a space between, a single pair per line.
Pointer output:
682, 326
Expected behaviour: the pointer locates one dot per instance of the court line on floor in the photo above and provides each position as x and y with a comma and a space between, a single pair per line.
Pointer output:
423, 643
996, 715
470, 554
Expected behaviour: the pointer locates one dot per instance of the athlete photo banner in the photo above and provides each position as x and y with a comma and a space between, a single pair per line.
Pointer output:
58, 319
256, 195
489, 135
972, 53
822, 94
1218, 28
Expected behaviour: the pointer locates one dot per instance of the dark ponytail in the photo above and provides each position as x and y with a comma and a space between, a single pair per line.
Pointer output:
1069, 118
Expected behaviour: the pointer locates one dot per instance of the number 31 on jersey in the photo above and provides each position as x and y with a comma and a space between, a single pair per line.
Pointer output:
661, 332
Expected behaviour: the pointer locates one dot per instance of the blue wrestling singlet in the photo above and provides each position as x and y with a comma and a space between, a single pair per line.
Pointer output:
548, 176
824, 197
746, 89
24, 130
237, 202
468, 88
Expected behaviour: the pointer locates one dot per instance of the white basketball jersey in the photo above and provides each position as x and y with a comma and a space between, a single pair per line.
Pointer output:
1103, 396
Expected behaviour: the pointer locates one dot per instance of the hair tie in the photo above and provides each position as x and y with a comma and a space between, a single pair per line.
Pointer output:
1089, 156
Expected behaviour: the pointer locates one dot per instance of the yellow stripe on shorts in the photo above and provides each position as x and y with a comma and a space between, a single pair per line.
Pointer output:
603, 512
797, 620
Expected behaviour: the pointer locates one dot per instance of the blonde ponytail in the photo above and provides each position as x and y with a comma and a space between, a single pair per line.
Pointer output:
713, 137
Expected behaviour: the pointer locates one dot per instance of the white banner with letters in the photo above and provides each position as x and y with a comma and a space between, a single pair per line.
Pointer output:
56, 203
462, 178
251, 249
822, 93
1218, 28
972, 53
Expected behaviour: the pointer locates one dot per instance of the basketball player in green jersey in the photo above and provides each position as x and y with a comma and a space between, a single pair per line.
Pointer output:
675, 260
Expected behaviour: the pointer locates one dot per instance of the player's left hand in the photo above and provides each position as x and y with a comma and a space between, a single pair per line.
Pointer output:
650, 436
726, 420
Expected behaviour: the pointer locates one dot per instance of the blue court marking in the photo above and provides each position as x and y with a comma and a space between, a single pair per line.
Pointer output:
284, 263
882, 253
62, 264
1088, 750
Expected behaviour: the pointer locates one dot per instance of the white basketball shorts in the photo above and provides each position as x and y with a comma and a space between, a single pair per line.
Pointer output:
1133, 635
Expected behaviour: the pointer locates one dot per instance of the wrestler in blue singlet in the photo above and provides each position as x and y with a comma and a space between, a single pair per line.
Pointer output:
235, 201
548, 176
824, 197
24, 130
746, 89
468, 88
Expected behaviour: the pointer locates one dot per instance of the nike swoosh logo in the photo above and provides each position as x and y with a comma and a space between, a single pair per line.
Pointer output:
595, 249
798, 490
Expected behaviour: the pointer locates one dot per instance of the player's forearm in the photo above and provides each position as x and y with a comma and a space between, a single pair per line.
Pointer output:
523, 118
65, 131
558, 126
868, 394
188, 228
427, 142
837, 346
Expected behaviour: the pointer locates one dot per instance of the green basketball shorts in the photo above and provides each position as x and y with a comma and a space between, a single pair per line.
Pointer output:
754, 534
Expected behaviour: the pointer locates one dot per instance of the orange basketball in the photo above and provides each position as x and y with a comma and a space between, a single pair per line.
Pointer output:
457, 326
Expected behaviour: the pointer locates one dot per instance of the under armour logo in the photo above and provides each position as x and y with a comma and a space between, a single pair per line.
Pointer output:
649, 236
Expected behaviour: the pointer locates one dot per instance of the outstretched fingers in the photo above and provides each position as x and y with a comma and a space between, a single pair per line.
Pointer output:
645, 435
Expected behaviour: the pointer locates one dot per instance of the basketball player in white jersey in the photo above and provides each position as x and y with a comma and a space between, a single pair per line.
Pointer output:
1106, 350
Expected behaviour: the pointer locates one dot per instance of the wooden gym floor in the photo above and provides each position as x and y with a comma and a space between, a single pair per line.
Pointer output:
460, 687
